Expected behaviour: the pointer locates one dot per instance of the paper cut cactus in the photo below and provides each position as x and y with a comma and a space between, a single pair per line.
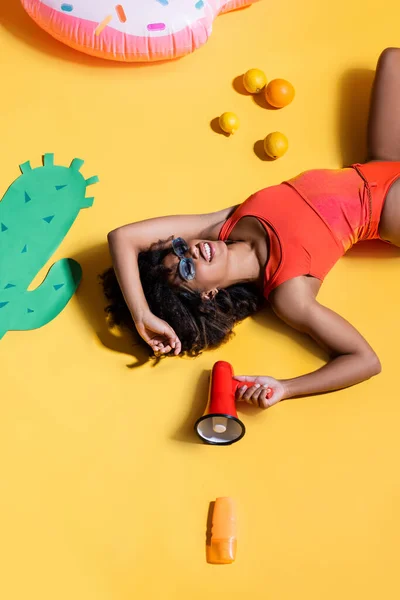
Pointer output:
36, 213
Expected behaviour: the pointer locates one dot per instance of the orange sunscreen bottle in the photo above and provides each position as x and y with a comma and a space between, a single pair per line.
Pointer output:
222, 550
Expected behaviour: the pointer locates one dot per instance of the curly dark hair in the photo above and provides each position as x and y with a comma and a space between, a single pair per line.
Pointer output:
199, 324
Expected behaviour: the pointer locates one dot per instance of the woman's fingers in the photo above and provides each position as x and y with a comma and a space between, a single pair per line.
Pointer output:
171, 344
240, 392
245, 393
166, 342
248, 395
175, 343
162, 351
161, 347
159, 335
263, 400
257, 394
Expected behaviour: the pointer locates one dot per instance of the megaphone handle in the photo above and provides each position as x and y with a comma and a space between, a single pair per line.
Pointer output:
248, 384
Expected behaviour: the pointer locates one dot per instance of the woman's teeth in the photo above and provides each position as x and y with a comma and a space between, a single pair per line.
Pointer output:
207, 251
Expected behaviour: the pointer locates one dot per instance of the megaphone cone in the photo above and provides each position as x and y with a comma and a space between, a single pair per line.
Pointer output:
220, 424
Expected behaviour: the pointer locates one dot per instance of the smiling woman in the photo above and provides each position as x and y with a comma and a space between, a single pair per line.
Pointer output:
204, 261
198, 324
187, 293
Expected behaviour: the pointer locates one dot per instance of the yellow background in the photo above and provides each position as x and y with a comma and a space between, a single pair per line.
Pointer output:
104, 490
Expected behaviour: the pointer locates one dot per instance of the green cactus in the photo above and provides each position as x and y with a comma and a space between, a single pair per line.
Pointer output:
36, 213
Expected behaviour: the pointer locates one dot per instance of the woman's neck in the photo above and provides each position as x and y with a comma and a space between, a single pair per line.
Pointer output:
246, 264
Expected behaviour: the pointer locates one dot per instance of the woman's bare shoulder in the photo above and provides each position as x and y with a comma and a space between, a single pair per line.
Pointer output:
290, 298
215, 222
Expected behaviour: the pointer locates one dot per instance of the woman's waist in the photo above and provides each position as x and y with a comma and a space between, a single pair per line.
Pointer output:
340, 199
300, 241
295, 221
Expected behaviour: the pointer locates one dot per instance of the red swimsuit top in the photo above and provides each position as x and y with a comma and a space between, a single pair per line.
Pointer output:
313, 219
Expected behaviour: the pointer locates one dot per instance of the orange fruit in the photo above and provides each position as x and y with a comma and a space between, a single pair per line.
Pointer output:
229, 122
276, 144
254, 81
279, 93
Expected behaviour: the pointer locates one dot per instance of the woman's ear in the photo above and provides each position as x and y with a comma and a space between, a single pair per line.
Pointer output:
210, 295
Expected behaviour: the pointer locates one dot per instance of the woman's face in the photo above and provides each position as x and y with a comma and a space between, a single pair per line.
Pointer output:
210, 259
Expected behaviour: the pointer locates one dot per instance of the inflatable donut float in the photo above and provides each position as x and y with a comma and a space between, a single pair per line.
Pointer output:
134, 30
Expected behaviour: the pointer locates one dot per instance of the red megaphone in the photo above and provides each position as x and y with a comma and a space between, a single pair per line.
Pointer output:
220, 424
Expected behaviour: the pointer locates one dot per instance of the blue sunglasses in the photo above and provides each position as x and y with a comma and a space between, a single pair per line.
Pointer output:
186, 267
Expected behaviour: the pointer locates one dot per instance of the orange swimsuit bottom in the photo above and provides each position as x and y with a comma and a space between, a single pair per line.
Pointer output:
313, 219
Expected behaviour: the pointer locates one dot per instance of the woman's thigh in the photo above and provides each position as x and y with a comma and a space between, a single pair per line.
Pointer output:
389, 226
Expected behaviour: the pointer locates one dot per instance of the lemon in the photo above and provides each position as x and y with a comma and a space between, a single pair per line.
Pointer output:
254, 80
229, 122
276, 144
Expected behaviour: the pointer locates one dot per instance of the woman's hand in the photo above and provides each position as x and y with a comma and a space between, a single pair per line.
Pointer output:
265, 391
158, 334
